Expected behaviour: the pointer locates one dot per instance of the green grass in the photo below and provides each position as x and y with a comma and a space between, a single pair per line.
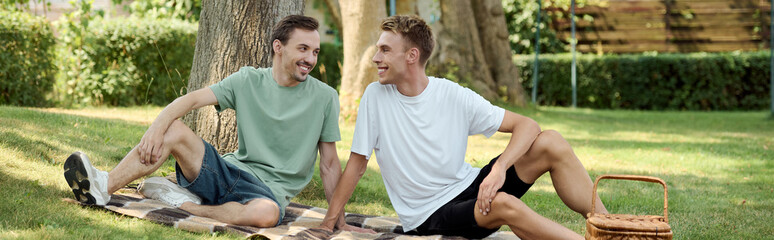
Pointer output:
719, 167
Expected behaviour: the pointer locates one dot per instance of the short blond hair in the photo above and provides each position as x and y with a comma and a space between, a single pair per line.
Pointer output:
414, 30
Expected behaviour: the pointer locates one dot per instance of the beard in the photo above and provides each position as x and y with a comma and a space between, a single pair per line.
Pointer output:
300, 76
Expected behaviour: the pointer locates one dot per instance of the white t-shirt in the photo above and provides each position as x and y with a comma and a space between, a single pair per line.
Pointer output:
420, 142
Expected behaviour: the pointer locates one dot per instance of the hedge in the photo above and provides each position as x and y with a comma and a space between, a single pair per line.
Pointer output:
127, 62
144, 61
696, 81
26, 59
328, 68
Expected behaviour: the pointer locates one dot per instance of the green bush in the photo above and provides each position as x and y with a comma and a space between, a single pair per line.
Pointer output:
328, 68
126, 61
521, 18
26, 59
696, 81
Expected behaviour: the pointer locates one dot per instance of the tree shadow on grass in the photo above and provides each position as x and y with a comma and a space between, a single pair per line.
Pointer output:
699, 207
747, 153
33, 210
610, 122
54, 136
31, 200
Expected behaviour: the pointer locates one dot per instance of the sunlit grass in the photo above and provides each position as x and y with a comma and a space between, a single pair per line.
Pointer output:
718, 167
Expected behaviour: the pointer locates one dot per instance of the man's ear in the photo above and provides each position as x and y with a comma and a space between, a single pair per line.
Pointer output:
412, 56
276, 46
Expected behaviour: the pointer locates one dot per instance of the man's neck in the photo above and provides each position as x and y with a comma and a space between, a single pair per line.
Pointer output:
414, 84
281, 77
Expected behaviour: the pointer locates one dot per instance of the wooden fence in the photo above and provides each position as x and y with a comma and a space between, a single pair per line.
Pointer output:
621, 26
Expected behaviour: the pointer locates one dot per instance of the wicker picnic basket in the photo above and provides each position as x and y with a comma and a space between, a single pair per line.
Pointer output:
624, 226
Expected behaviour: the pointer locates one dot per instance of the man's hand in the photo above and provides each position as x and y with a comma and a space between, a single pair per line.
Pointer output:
327, 225
488, 189
150, 145
351, 228
346, 227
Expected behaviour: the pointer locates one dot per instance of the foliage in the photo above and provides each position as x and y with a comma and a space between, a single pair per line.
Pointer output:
21, 5
521, 18
123, 61
328, 69
697, 81
188, 10
26, 59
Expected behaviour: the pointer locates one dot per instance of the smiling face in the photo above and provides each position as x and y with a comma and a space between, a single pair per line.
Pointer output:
390, 58
299, 56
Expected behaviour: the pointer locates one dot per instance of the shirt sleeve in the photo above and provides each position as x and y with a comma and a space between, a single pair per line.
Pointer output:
225, 90
483, 117
366, 126
330, 129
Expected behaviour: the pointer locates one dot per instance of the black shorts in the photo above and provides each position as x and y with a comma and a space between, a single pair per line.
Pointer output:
456, 218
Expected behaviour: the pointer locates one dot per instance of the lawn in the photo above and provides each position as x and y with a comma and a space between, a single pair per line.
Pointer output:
719, 167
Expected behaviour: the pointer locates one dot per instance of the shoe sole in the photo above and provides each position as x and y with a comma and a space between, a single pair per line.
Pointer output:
77, 177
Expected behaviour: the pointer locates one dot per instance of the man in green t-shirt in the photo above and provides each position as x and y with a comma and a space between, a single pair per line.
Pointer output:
285, 117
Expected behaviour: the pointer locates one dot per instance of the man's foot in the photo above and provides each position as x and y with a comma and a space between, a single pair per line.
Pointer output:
88, 183
161, 189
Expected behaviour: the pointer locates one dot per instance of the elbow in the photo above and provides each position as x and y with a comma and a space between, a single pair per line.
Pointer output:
325, 169
362, 171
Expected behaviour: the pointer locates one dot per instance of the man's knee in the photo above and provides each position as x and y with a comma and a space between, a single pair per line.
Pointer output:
176, 133
261, 213
509, 204
552, 143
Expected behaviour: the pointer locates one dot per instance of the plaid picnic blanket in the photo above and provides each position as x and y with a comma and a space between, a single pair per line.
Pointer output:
299, 223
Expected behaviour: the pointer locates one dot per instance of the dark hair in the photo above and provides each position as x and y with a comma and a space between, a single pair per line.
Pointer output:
285, 27
414, 30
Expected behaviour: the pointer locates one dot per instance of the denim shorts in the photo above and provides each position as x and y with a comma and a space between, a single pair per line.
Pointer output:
220, 182
457, 217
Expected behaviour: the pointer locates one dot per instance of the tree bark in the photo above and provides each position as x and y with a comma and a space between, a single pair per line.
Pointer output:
459, 53
232, 34
360, 19
493, 32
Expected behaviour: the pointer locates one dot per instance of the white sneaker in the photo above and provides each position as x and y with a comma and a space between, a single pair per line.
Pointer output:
162, 189
88, 183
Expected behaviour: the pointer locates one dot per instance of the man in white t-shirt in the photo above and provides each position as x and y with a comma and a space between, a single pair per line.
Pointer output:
419, 126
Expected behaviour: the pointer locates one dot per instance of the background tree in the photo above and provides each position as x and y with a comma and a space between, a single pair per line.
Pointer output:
232, 34
360, 19
334, 11
472, 48
493, 33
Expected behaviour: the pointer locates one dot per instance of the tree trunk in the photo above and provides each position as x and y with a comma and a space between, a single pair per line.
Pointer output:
493, 32
361, 21
406, 7
232, 34
335, 11
459, 53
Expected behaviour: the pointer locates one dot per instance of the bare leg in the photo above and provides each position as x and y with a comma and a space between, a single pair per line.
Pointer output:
179, 140
524, 222
258, 212
552, 153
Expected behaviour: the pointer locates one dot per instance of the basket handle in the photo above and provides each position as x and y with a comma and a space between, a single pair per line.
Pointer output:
630, 177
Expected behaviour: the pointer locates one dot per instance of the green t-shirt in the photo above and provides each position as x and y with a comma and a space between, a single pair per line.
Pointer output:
278, 127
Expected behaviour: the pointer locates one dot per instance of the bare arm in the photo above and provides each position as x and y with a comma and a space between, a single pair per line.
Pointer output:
356, 166
330, 169
523, 131
152, 142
